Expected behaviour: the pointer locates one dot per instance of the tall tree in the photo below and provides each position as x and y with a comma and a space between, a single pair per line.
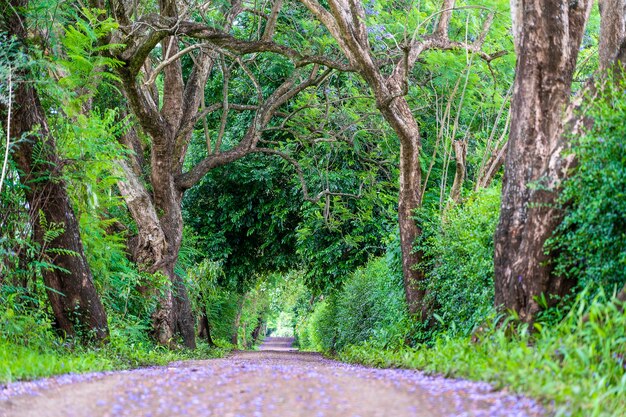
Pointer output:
73, 297
346, 20
547, 40
155, 45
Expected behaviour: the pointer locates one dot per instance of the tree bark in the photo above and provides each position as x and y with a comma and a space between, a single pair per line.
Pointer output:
460, 156
235, 335
612, 32
204, 328
156, 250
547, 35
398, 115
73, 297
256, 333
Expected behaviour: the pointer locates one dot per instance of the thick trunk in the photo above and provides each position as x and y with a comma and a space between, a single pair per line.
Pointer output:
547, 38
156, 250
75, 302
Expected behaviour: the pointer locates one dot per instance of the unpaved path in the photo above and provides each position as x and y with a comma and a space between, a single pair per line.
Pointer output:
272, 383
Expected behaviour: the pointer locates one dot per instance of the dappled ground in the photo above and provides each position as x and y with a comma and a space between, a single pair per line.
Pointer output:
278, 383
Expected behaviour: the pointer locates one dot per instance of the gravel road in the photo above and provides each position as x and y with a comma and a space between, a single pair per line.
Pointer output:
274, 381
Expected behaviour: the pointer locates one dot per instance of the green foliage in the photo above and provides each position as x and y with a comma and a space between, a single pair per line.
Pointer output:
29, 347
286, 298
229, 313
318, 331
209, 298
590, 244
576, 367
84, 63
245, 215
458, 252
369, 307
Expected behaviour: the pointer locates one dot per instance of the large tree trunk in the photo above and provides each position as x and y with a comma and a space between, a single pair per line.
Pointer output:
155, 249
547, 39
75, 302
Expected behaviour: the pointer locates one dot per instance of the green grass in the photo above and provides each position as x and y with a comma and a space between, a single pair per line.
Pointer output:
576, 367
19, 362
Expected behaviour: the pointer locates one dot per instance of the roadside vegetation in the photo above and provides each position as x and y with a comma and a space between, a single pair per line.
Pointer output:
405, 193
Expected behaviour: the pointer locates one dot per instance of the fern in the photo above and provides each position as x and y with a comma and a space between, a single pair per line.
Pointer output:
51, 230
86, 62
62, 251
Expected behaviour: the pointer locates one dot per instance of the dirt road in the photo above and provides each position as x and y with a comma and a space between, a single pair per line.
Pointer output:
276, 383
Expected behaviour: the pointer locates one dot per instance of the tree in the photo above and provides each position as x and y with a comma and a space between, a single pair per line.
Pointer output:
547, 40
346, 21
73, 297
178, 50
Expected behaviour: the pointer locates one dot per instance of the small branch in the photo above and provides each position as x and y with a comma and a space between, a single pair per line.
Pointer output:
270, 26
255, 12
205, 126
172, 59
245, 69
6, 152
441, 30
486, 26
226, 71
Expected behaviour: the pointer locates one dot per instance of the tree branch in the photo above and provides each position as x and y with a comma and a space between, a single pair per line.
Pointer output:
142, 36
300, 173
270, 26
156, 71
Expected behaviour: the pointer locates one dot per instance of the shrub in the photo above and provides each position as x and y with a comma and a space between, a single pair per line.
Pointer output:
369, 306
458, 250
591, 242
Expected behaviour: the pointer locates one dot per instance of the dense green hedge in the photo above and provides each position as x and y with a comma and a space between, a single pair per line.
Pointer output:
369, 306
591, 241
458, 262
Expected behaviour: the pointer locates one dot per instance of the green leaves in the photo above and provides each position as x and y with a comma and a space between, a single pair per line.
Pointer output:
85, 65
590, 244
458, 262
369, 307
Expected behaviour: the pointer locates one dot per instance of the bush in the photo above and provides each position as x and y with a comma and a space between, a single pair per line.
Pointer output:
458, 250
577, 366
369, 307
322, 326
591, 241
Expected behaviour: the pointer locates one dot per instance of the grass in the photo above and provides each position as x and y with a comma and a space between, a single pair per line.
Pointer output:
27, 362
576, 367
